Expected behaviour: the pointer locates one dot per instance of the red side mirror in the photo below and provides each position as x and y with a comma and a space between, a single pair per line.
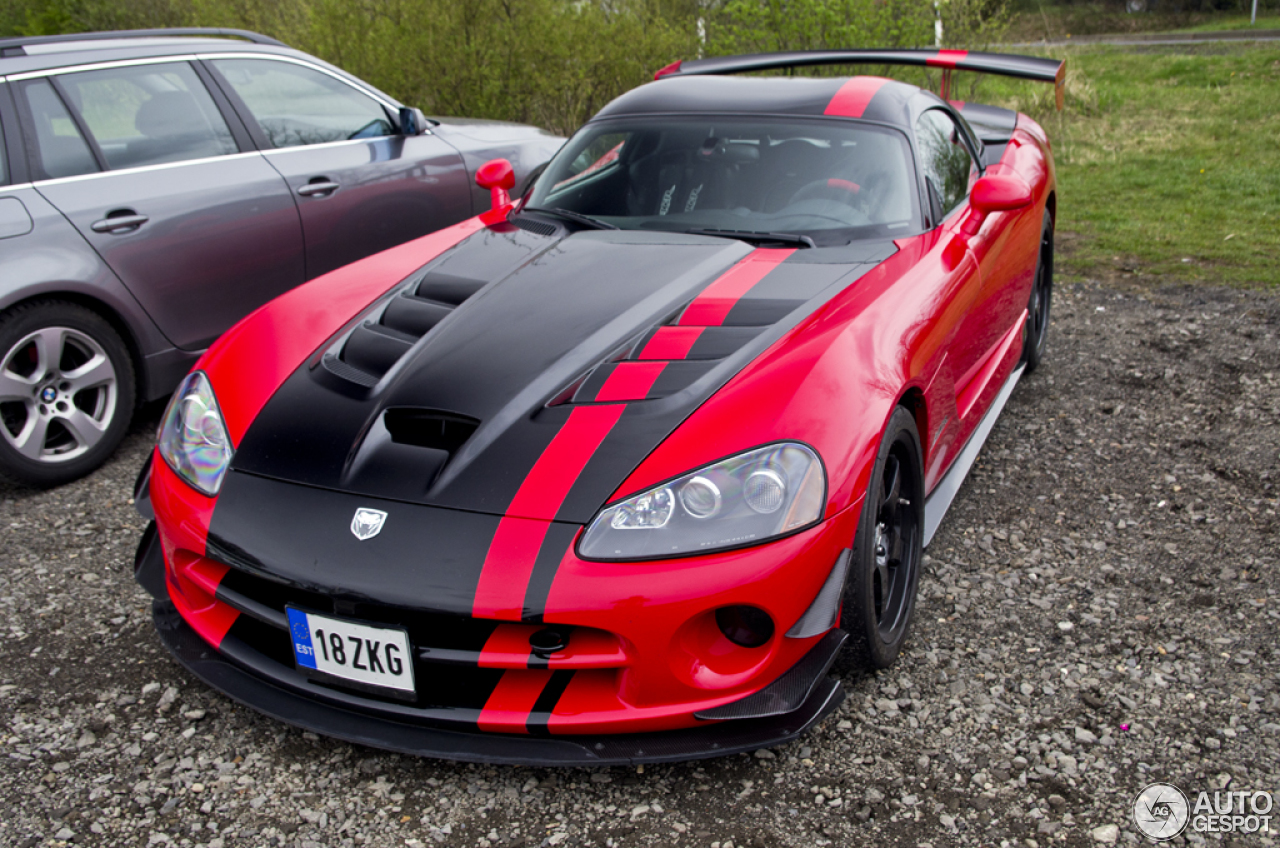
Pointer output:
994, 193
499, 177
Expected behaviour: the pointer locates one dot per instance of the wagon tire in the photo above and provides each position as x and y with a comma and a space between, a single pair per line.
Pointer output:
1036, 337
66, 392
880, 592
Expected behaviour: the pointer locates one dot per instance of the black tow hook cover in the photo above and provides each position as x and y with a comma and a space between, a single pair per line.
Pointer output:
547, 642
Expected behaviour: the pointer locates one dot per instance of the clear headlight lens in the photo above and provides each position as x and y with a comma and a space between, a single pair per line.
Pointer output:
193, 438
739, 501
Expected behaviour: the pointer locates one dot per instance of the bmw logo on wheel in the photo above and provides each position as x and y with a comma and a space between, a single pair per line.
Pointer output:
49, 394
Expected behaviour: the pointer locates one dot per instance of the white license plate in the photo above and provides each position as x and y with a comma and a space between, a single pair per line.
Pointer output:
359, 653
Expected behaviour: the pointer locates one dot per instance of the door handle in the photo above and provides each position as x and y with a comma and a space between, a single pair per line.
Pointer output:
115, 223
318, 188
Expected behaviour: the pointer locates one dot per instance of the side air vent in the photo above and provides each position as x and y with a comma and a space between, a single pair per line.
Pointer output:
428, 428
395, 325
447, 288
413, 315
373, 348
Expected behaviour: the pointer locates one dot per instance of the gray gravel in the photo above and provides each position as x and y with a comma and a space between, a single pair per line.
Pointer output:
1099, 612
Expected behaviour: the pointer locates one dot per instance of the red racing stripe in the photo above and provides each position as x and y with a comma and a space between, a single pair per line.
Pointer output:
852, 98
509, 705
508, 644
630, 381
671, 343
947, 58
504, 577
710, 308
192, 585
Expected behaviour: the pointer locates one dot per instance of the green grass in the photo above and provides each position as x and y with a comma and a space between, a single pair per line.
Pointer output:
1167, 160
1232, 22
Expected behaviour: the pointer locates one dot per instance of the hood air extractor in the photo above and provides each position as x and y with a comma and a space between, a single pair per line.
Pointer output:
397, 323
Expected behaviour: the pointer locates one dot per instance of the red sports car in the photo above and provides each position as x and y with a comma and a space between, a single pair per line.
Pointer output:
613, 471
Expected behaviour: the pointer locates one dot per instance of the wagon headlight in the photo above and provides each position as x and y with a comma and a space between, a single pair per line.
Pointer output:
739, 501
193, 438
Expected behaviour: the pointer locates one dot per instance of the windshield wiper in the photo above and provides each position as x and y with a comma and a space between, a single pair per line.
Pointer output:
753, 236
576, 217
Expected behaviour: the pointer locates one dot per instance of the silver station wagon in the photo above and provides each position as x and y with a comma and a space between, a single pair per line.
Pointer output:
156, 186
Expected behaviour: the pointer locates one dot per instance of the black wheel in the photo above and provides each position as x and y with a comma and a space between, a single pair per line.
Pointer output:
66, 392
1037, 334
880, 595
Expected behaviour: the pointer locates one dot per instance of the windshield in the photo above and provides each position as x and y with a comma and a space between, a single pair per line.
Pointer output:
832, 181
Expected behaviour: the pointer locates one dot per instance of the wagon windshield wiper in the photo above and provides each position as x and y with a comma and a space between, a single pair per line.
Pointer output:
754, 236
576, 217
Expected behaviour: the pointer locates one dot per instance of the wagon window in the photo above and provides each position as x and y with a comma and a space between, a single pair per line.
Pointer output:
297, 106
944, 159
149, 114
61, 149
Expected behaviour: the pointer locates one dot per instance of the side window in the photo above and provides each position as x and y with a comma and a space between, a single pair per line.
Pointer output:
297, 106
58, 144
945, 160
148, 114
4, 155
595, 157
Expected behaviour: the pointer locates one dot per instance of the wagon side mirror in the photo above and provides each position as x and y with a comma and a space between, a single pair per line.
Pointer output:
994, 193
499, 178
412, 121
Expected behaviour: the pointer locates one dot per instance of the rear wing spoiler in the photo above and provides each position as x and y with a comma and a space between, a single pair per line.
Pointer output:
1004, 64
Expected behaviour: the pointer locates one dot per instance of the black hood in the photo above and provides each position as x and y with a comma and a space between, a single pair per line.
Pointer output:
450, 388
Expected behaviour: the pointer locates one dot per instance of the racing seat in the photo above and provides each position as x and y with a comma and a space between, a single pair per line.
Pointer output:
675, 181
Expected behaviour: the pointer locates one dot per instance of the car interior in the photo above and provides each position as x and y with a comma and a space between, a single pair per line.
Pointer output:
836, 180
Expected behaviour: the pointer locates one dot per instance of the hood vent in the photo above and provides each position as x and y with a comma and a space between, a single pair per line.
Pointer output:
397, 323
428, 428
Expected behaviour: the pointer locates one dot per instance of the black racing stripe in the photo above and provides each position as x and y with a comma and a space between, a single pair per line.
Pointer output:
678, 376
642, 424
536, 661
889, 104
719, 342
554, 546
540, 715
645, 425
591, 386
301, 537
758, 312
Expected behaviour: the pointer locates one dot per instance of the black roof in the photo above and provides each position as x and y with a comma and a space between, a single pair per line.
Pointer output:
762, 96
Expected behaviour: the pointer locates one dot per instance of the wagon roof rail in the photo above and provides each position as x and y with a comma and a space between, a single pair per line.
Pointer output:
17, 46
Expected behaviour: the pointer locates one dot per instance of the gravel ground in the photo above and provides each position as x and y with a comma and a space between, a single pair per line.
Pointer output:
1099, 612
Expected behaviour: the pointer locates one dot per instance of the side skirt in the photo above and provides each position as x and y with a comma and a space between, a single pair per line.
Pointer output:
936, 505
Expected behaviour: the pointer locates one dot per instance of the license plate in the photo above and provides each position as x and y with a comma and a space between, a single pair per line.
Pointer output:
360, 654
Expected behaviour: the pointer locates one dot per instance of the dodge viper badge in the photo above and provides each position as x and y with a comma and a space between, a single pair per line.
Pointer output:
367, 523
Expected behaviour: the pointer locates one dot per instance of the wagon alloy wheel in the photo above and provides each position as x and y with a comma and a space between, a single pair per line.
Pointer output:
1037, 332
66, 392
880, 595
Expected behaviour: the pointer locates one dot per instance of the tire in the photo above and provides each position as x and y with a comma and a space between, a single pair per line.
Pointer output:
66, 392
1036, 337
878, 619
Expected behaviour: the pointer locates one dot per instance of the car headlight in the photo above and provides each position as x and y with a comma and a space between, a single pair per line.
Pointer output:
193, 439
739, 501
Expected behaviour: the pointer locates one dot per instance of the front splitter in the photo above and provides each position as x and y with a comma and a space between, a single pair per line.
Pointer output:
716, 739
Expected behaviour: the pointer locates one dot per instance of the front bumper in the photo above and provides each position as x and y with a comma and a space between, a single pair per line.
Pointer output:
715, 740
805, 691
